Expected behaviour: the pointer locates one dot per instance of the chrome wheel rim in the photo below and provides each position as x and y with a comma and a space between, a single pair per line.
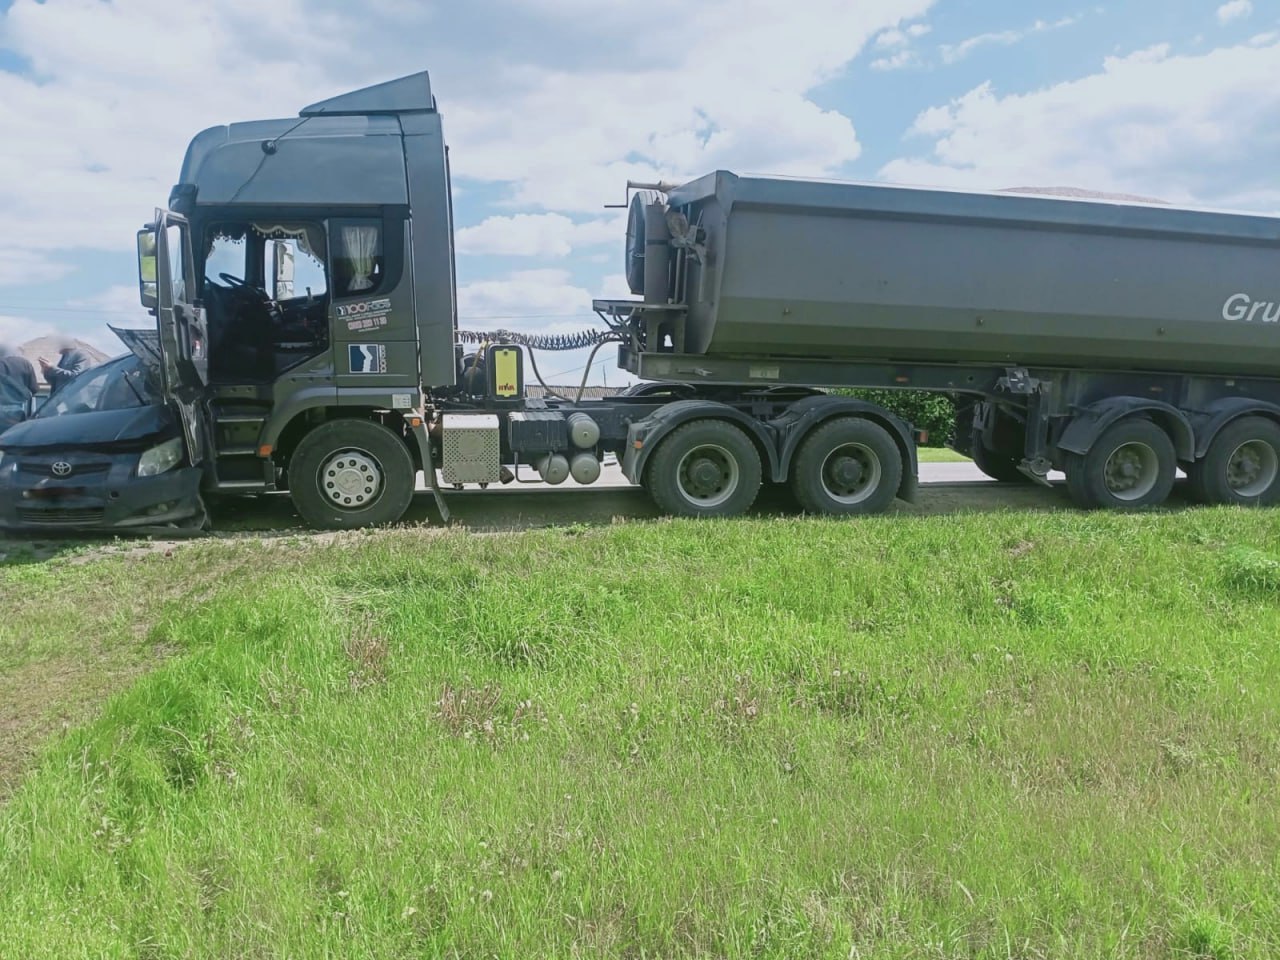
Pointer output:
1131, 472
851, 473
351, 479
1252, 468
708, 475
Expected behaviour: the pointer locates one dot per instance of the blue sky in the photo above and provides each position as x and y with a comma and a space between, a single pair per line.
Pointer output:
550, 105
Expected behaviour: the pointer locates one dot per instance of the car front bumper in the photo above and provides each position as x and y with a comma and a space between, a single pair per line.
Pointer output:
100, 493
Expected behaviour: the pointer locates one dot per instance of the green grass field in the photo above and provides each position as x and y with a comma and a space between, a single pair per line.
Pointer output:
996, 735
941, 455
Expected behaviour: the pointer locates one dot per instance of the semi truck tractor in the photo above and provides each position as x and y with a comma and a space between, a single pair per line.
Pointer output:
303, 281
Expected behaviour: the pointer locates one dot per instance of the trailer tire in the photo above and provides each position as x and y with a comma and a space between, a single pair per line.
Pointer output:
847, 467
1241, 466
348, 474
1132, 465
707, 468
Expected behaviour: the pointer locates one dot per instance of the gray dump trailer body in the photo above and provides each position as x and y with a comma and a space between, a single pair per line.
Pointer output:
849, 271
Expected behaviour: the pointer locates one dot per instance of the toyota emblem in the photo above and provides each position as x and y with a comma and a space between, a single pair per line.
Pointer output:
61, 469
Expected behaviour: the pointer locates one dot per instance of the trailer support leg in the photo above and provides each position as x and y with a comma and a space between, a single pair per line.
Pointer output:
1036, 464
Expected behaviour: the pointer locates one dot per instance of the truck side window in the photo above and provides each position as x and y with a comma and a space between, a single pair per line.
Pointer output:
226, 253
293, 260
359, 267
292, 270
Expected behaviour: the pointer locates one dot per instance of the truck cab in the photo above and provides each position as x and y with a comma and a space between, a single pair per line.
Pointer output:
303, 275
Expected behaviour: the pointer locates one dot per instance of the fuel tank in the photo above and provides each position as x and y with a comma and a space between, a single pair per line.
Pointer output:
875, 272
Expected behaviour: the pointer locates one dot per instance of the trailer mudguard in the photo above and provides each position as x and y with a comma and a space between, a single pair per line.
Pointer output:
803, 416
643, 436
1222, 412
1089, 423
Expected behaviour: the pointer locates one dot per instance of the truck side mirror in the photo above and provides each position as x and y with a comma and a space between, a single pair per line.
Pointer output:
147, 288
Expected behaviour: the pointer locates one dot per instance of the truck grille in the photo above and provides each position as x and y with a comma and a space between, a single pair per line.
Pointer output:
61, 516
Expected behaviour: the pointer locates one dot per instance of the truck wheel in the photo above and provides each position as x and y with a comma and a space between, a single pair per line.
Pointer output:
997, 466
1242, 465
347, 474
847, 466
708, 468
1132, 465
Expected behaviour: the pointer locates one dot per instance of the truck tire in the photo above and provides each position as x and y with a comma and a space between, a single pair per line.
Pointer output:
1241, 466
997, 466
845, 467
1131, 466
707, 468
348, 474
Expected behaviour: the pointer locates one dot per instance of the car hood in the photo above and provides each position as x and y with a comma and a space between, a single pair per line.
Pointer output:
96, 429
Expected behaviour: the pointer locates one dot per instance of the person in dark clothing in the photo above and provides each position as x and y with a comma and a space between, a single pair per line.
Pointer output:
18, 385
71, 361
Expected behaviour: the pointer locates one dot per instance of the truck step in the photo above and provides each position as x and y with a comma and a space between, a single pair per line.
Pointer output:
238, 418
238, 451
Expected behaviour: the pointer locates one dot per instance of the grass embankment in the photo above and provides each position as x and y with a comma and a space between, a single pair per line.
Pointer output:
941, 455
998, 735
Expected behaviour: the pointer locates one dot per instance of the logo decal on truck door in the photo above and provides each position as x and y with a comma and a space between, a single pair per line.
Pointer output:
366, 315
367, 357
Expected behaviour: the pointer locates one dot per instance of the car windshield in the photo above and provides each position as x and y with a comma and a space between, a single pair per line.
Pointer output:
117, 385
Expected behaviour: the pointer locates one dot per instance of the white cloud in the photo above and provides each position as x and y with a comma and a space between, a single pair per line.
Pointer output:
952, 53
116, 305
20, 266
523, 297
896, 37
891, 39
1235, 10
898, 61
15, 331
1183, 128
538, 235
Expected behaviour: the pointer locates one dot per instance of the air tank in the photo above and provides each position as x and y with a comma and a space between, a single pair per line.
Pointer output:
553, 468
583, 431
883, 273
584, 467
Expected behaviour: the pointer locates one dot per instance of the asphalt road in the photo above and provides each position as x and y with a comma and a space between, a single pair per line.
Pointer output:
945, 488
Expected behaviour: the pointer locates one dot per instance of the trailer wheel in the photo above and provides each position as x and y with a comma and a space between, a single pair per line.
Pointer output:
847, 466
1132, 465
347, 474
707, 468
1242, 465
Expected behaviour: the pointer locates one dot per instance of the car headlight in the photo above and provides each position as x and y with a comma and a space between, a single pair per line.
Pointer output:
162, 457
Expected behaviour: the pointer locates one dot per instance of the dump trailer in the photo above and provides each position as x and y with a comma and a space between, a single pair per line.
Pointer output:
1114, 340
303, 281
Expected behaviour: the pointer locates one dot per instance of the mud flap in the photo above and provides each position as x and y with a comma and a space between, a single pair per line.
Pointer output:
428, 467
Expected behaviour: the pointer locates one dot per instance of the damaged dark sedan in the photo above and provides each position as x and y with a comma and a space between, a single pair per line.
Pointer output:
106, 452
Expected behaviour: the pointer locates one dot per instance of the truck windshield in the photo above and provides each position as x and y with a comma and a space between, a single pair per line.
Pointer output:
117, 385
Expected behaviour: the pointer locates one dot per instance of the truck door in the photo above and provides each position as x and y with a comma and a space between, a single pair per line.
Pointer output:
168, 284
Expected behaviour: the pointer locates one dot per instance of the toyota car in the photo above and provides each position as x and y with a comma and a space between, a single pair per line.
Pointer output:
104, 453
